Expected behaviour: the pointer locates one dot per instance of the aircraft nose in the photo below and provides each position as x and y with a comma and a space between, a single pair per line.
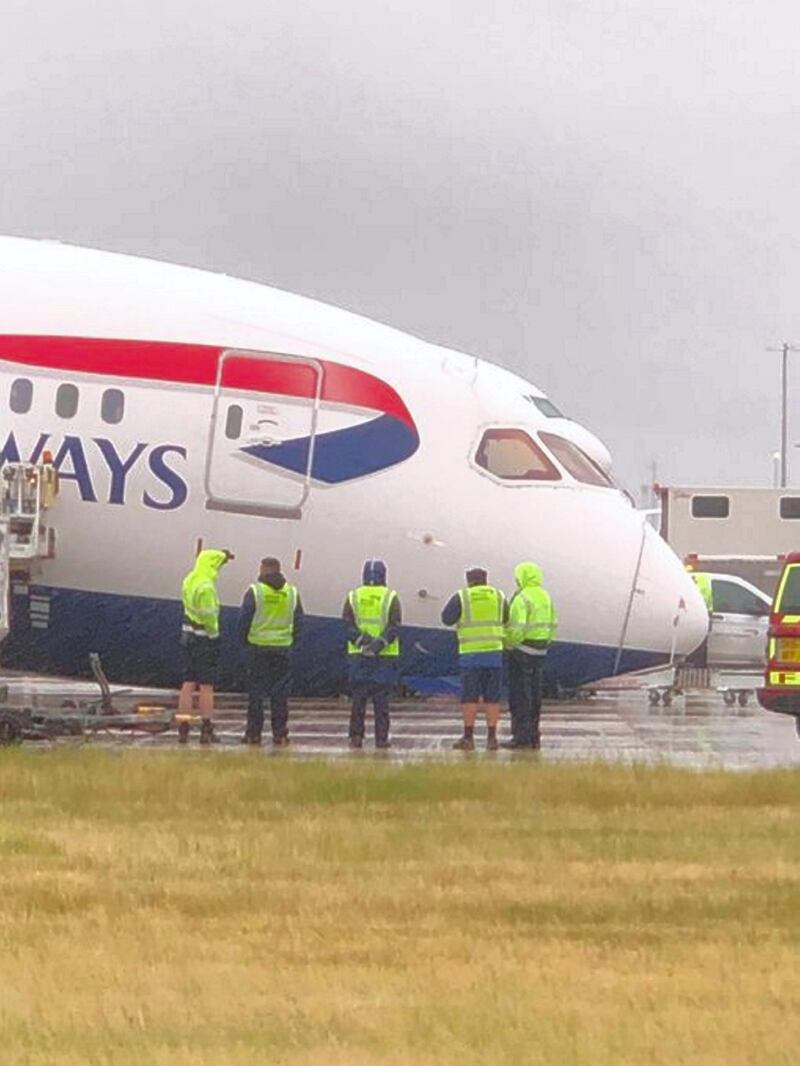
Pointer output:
676, 612
692, 627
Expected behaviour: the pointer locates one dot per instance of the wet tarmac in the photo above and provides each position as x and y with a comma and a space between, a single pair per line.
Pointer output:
697, 730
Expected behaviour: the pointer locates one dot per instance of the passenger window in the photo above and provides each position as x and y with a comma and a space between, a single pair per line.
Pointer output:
233, 422
510, 454
730, 598
21, 396
710, 506
576, 462
790, 506
112, 406
66, 401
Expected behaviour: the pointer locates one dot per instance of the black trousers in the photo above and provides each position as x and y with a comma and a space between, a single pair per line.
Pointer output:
379, 693
268, 677
525, 696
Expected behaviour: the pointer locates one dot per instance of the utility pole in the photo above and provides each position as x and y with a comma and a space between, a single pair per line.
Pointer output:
784, 350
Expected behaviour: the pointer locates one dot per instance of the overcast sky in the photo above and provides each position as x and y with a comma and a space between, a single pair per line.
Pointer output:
600, 194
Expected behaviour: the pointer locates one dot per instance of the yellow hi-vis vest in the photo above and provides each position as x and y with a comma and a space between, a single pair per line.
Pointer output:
539, 622
273, 621
371, 605
481, 627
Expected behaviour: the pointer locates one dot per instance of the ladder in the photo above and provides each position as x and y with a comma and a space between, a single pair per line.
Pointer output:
27, 492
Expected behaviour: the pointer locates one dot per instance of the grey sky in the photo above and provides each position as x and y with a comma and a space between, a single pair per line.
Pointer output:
600, 195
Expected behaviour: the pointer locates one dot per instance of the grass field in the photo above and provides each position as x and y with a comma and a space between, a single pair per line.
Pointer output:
204, 908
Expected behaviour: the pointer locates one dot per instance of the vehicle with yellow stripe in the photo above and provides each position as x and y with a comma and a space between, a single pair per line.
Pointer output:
781, 691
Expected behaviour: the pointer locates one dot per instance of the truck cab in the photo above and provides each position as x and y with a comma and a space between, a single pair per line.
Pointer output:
781, 691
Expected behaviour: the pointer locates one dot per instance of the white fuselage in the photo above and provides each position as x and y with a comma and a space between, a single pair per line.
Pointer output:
134, 492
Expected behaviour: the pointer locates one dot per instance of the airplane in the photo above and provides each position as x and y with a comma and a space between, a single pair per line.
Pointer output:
185, 409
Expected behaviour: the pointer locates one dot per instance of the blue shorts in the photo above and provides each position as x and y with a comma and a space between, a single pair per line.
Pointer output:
477, 681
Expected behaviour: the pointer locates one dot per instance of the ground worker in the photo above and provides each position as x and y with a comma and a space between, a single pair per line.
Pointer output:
532, 624
373, 615
480, 613
269, 624
200, 638
704, 587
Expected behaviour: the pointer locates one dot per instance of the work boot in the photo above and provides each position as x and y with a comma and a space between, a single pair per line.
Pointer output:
464, 744
382, 745
207, 734
491, 743
515, 745
281, 742
356, 743
252, 739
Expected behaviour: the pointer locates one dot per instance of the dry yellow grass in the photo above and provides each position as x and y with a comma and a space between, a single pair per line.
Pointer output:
207, 908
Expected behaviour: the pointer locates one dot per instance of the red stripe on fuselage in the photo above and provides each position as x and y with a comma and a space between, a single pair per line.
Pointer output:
196, 364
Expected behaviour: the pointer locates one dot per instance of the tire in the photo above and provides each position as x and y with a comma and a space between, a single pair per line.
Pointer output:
744, 698
729, 698
654, 696
666, 699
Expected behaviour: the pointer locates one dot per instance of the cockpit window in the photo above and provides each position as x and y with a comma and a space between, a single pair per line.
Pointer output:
575, 461
512, 455
547, 407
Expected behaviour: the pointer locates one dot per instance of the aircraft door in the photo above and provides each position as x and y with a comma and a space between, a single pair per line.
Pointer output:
262, 432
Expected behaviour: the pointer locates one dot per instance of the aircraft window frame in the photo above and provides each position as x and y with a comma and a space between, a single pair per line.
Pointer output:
114, 415
548, 474
581, 467
67, 400
234, 421
26, 385
722, 503
757, 607
789, 508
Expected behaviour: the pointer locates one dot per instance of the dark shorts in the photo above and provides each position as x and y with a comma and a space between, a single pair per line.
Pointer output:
486, 681
200, 660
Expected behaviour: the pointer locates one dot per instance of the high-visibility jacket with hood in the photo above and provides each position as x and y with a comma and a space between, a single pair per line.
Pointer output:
200, 599
532, 620
704, 587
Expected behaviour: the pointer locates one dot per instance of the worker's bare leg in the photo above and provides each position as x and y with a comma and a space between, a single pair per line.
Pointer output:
470, 713
492, 712
206, 702
186, 697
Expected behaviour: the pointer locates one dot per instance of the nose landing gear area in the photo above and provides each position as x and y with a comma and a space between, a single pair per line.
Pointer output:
701, 729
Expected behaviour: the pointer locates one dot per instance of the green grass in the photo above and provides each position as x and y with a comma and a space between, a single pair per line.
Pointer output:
211, 908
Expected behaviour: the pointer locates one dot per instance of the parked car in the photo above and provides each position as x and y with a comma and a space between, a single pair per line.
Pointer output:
739, 622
